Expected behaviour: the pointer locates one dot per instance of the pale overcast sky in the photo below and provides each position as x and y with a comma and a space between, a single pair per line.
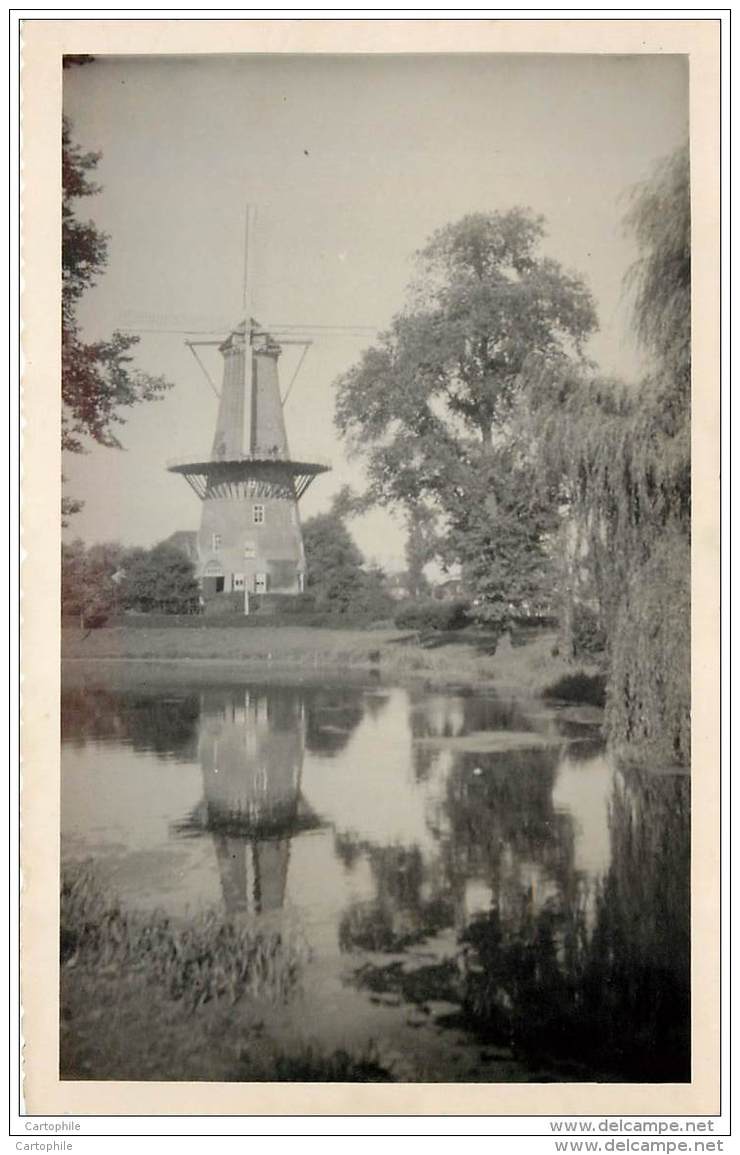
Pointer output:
352, 162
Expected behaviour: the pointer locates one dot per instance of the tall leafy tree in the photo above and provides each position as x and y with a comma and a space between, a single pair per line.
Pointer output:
660, 220
337, 574
622, 460
420, 548
159, 580
429, 406
88, 592
99, 378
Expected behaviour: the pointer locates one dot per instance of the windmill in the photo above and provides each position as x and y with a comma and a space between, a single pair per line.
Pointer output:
250, 534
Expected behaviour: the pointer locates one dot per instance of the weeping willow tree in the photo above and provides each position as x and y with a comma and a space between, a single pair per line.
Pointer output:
622, 460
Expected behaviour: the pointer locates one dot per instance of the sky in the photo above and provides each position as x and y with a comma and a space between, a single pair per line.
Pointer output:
351, 163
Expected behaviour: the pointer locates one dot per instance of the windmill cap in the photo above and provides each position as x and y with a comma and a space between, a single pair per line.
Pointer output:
240, 330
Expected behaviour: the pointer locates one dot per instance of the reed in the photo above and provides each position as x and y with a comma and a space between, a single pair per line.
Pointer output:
209, 958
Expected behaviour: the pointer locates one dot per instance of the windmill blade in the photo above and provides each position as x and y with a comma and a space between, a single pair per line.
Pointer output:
191, 332
291, 327
206, 374
286, 395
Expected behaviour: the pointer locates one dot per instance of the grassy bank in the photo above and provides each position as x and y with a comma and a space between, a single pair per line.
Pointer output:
469, 656
143, 997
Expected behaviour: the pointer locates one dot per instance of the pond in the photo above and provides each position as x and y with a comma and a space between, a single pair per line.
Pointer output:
482, 894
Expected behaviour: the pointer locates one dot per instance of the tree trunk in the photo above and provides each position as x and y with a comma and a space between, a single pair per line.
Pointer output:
566, 639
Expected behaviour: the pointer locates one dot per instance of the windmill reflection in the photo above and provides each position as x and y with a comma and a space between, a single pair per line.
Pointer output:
250, 747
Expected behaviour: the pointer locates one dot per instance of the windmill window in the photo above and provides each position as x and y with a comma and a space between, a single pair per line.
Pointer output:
258, 514
216, 542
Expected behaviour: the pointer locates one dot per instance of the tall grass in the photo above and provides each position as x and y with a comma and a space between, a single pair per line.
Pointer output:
209, 958
135, 973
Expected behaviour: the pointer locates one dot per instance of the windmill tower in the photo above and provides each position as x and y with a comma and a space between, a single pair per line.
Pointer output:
250, 533
251, 748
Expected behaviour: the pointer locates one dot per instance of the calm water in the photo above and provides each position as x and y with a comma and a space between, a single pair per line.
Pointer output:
484, 896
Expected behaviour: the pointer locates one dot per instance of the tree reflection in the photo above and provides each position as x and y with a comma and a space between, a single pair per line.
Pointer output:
614, 998
410, 901
586, 971
639, 963
148, 721
332, 715
446, 716
497, 826
498, 841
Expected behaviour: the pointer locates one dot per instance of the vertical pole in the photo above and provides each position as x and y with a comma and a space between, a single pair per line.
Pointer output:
247, 305
246, 600
249, 254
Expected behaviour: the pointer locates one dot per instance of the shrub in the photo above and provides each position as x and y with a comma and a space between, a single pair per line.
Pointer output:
433, 615
226, 604
589, 638
161, 579
581, 688
296, 604
96, 610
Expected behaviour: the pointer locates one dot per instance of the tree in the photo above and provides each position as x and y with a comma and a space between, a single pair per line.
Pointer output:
660, 219
621, 459
88, 591
107, 577
420, 548
336, 572
98, 378
159, 580
429, 407
502, 529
